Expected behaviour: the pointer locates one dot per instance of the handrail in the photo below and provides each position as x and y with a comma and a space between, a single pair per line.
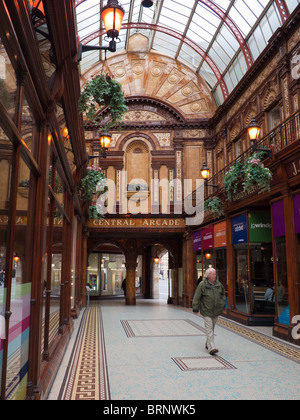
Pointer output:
280, 137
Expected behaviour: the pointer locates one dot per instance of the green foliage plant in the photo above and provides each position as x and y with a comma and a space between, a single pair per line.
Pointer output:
91, 187
215, 206
232, 178
99, 92
256, 174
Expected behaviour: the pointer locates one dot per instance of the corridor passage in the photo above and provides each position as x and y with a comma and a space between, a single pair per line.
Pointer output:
154, 351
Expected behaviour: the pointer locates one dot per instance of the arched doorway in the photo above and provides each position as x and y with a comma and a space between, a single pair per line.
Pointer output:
159, 274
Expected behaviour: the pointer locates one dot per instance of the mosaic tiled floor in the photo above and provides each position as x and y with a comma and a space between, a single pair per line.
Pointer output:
282, 348
162, 328
86, 377
202, 363
157, 352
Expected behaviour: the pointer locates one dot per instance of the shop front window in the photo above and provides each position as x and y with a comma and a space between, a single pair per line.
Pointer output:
282, 282
242, 290
5, 170
199, 267
106, 273
19, 322
262, 279
221, 266
208, 260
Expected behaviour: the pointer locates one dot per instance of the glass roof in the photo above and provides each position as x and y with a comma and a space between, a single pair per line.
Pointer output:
218, 39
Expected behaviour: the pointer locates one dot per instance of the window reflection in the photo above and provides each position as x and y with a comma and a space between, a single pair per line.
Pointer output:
282, 283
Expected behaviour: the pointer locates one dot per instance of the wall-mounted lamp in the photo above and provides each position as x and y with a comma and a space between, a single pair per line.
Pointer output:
156, 260
205, 175
208, 255
105, 140
112, 15
254, 132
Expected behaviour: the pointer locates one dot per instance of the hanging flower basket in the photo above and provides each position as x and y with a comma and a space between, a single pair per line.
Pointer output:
99, 92
252, 174
256, 175
214, 206
91, 187
232, 178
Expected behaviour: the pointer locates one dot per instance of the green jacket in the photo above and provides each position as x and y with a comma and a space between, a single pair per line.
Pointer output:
210, 300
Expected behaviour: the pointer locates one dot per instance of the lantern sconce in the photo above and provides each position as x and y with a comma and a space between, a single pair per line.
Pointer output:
205, 175
112, 15
105, 140
254, 132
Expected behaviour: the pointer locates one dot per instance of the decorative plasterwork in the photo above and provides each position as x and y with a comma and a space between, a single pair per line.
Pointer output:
155, 76
269, 97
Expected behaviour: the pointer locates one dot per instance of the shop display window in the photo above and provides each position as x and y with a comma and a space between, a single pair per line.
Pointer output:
19, 322
221, 266
106, 273
242, 299
5, 159
262, 279
256, 296
282, 282
208, 260
199, 267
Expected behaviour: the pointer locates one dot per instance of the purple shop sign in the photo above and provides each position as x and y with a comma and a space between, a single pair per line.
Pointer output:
297, 213
208, 238
278, 219
197, 241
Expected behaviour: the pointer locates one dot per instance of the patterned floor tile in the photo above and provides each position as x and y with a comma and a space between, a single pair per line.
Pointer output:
162, 328
202, 363
86, 378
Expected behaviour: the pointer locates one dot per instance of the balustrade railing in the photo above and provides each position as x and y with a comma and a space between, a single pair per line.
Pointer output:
280, 137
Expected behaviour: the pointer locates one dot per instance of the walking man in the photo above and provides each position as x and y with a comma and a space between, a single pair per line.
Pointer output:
210, 299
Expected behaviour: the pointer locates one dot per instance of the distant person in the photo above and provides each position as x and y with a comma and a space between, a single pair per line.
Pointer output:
210, 299
199, 280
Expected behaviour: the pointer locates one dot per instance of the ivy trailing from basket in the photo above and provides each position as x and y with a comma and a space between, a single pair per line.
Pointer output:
252, 174
91, 187
99, 92
232, 178
256, 174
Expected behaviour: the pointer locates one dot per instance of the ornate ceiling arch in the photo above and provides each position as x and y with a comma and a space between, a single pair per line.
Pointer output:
175, 34
159, 85
218, 39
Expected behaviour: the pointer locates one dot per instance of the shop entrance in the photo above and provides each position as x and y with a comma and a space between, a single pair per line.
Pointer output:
106, 273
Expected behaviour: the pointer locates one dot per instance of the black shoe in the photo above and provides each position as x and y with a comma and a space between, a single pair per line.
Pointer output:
213, 351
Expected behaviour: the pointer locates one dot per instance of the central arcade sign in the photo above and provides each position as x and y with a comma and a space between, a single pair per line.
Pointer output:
137, 223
